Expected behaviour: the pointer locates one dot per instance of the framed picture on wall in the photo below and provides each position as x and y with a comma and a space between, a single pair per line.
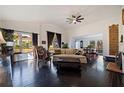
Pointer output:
43, 42
92, 44
100, 46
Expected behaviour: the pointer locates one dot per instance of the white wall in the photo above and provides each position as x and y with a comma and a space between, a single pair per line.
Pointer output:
21, 25
33, 26
94, 28
122, 32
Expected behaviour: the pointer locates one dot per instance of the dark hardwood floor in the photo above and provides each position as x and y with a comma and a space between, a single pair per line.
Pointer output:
93, 74
5, 72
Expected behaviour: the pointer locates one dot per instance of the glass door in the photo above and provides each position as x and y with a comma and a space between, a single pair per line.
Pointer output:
26, 42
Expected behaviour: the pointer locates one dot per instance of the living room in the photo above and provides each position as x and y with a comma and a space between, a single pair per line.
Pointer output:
64, 34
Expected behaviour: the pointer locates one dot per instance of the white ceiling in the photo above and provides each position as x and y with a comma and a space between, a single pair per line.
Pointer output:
57, 14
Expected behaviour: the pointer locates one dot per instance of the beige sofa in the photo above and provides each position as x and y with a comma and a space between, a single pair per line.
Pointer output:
68, 57
66, 51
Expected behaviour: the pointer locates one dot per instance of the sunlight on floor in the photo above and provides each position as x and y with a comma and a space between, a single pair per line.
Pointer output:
100, 64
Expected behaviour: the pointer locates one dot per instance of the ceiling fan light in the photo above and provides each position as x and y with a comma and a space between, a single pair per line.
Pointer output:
74, 21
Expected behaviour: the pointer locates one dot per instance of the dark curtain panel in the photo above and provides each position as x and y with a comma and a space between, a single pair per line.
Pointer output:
50, 36
59, 39
35, 39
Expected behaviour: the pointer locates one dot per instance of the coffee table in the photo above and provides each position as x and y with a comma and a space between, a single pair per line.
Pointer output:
65, 60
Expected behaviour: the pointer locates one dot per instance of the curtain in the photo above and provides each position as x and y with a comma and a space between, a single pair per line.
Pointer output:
55, 43
59, 39
50, 36
35, 39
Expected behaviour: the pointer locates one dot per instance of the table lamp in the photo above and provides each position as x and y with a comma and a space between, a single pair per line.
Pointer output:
1, 38
51, 49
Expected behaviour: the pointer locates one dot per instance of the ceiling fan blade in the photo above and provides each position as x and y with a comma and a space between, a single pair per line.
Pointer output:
69, 19
73, 16
70, 22
79, 16
80, 19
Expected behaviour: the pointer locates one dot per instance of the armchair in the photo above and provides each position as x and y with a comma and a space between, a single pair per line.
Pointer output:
41, 54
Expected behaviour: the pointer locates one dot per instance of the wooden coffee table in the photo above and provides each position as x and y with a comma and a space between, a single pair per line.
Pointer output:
64, 60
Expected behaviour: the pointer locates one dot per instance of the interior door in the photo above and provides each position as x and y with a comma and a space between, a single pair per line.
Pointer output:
113, 39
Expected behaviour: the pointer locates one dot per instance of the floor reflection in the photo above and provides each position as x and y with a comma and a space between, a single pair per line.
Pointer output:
93, 74
99, 64
5, 72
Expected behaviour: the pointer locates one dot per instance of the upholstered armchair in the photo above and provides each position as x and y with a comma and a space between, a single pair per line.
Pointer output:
41, 54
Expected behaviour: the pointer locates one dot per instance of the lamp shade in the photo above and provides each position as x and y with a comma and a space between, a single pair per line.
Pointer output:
51, 48
1, 38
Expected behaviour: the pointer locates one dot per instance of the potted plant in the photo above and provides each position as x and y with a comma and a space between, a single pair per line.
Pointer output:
65, 45
8, 36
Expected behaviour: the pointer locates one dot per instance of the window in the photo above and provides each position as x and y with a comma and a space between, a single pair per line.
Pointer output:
77, 44
22, 42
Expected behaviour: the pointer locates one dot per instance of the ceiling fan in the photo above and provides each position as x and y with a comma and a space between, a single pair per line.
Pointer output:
75, 19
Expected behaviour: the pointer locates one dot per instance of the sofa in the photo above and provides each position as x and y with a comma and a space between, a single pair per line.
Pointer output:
68, 51
68, 58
